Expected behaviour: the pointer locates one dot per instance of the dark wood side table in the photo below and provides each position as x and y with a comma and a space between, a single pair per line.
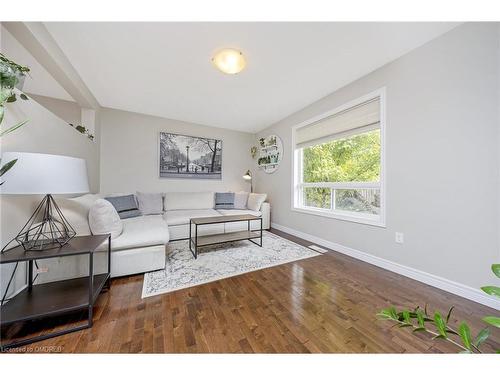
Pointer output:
59, 297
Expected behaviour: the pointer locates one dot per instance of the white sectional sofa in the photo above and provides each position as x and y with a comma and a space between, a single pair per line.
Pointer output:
141, 247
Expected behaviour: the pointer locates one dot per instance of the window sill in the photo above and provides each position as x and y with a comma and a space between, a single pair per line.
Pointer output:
375, 221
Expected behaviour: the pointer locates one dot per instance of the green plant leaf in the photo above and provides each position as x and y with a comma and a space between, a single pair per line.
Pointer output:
23, 97
439, 337
392, 312
11, 98
464, 332
406, 316
491, 290
481, 336
420, 319
80, 128
493, 320
440, 324
385, 316
6, 167
12, 128
449, 314
496, 269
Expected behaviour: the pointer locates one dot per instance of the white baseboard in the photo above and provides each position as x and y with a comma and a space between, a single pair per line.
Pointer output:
459, 289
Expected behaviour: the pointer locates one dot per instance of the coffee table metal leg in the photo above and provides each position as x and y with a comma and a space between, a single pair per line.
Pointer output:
261, 232
195, 241
258, 244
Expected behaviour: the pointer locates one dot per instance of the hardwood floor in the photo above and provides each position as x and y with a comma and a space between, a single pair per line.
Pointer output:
325, 304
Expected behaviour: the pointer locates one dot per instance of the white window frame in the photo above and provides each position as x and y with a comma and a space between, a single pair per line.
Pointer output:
298, 184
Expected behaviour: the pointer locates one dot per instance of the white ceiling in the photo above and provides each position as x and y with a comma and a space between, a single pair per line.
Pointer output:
164, 69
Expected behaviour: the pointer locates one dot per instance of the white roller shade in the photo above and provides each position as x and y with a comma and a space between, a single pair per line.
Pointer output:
362, 117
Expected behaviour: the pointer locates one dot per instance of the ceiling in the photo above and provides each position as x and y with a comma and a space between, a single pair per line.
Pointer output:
165, 69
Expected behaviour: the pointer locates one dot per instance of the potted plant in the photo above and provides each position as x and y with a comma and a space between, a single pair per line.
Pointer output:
418, 320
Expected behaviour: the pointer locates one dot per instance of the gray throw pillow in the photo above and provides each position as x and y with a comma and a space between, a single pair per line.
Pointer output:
126, 206
150, 203
224, 201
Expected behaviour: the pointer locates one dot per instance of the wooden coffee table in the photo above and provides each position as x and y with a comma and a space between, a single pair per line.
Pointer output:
197, 241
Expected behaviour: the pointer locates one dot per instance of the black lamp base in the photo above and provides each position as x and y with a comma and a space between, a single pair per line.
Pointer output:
47, 228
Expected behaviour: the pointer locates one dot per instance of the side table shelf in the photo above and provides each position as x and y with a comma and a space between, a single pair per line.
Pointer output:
59, 297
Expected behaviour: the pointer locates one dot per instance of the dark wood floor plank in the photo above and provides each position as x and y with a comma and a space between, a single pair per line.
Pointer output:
325, 304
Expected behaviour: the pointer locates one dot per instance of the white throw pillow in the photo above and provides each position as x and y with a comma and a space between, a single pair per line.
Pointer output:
150, 203
104, 219
240, 200
76, 211
255, 201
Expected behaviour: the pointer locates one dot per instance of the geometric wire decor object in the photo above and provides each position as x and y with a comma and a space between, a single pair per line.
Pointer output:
47, 228
37, 174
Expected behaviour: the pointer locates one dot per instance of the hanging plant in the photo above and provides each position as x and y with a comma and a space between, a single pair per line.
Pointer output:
83, 130
12, 77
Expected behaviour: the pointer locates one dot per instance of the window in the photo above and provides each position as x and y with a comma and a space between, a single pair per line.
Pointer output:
338, 162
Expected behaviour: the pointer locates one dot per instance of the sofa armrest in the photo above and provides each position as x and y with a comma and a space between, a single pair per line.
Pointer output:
266, 215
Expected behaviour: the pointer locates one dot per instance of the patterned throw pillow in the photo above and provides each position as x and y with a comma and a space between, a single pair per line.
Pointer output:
224, 201
126, 206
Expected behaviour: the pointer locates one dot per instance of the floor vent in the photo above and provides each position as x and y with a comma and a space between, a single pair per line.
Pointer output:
318, 249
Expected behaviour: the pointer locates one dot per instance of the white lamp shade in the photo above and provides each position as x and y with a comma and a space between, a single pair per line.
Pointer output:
44, 174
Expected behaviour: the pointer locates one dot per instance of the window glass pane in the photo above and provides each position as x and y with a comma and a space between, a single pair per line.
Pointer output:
317, 197
358, 200
352, 159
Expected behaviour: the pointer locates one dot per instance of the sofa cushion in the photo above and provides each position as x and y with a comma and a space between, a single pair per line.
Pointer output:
150, 203
104, 219
142, 231
125, 205
255, 201
181, 217
188, 201
239, 212
240, 200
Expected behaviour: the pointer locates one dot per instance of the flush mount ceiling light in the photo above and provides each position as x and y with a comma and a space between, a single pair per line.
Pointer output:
229, 61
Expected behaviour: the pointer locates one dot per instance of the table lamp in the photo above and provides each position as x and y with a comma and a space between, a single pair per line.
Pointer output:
35, 174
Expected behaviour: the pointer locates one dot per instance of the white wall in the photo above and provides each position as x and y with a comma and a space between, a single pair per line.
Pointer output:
442, 156
44, 133
129, 154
